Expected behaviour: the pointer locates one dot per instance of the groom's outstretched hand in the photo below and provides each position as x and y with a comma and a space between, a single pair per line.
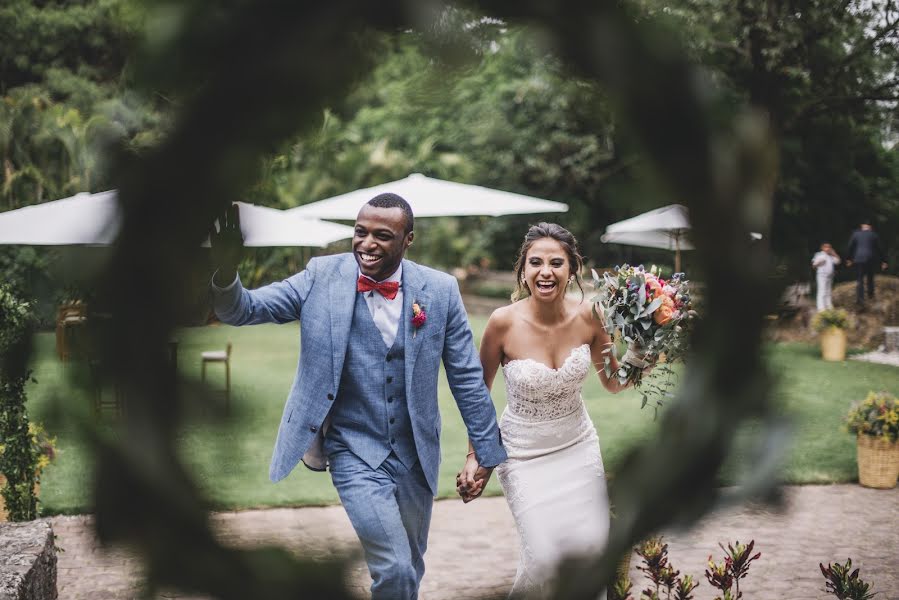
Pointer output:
227, 246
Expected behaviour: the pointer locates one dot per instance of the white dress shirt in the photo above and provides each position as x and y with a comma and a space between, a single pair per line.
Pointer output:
386, 313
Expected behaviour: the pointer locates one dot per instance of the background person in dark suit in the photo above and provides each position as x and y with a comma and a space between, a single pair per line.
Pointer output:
865, 251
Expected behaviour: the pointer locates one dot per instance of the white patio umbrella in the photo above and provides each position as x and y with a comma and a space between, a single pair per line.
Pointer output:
667, 228
431, 197
95, 219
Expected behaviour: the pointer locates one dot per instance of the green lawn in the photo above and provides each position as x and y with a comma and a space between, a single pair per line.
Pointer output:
231, 461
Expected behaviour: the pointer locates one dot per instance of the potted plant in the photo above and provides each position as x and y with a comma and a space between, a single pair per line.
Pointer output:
21, 442
42, 450
831, 325
875, 421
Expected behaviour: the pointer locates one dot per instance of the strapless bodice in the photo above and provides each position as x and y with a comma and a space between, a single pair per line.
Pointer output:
537, 392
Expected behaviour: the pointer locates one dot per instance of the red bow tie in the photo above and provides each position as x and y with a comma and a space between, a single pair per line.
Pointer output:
388, 289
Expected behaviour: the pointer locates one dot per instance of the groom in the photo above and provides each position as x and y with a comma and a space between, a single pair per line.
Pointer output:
373, 330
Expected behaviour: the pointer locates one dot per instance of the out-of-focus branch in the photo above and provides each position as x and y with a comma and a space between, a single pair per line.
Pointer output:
725, 166
251, 75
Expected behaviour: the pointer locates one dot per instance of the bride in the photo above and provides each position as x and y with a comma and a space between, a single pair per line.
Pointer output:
546, 342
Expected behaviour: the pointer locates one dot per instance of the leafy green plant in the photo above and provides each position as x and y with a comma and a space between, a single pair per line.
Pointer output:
727, 574
662, 573
844, 583
831, 317
877, 415
21, 449
621, 590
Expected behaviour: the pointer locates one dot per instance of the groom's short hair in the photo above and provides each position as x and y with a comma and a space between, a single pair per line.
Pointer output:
388, 200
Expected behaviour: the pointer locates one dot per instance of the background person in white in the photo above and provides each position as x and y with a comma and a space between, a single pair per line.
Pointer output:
825, 261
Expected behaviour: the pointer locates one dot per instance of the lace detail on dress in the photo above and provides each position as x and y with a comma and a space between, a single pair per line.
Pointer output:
540, 393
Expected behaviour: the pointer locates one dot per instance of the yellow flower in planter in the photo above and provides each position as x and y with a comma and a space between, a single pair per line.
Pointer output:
877, 415
875, 421
832, 317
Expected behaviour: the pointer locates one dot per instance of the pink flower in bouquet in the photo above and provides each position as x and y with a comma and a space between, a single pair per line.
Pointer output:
654, 287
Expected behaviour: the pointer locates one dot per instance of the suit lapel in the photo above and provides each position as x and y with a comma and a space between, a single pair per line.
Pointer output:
414, 291
342, 297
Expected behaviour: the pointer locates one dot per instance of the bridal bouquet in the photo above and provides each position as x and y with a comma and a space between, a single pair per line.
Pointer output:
653, 316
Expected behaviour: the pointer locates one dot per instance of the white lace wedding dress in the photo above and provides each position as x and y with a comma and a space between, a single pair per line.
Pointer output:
554, 479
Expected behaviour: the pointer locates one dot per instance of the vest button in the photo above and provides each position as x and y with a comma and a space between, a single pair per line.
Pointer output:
313, 429
389, 379
389, 358
330, 396
392, 420
392, 440
390, 399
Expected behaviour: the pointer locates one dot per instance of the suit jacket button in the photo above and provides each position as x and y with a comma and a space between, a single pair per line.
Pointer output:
313, 429
392, 420
390, 399
392, 440
389, 358
389, 379
330, 396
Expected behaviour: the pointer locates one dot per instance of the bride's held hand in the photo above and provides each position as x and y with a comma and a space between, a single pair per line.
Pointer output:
468, 484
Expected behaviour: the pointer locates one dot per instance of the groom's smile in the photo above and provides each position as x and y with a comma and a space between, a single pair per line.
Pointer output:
380, 240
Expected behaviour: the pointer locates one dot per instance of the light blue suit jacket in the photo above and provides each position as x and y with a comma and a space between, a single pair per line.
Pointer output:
322, 298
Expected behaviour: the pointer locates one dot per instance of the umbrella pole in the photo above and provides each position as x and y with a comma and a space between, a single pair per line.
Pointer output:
677, 254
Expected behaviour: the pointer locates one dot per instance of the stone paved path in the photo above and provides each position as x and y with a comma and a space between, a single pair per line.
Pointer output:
473, 550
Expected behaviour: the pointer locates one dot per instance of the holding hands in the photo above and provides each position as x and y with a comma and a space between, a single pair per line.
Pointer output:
472, 479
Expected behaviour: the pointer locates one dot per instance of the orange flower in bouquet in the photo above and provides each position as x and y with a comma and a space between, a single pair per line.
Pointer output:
665, 312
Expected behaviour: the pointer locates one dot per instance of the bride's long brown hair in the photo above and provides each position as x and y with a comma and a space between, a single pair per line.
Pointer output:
555, 232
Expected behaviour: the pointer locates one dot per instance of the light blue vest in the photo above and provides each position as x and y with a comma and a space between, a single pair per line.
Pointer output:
370, 415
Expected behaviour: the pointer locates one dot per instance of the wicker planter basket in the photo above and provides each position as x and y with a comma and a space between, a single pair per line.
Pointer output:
833, 344
878, 462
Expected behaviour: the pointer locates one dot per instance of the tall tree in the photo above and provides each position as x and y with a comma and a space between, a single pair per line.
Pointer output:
824, 72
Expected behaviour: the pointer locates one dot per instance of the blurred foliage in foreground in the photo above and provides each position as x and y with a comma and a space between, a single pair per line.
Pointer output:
245, 79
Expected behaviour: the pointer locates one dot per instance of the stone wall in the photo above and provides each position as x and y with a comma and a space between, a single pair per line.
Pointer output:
27, 561
891, 339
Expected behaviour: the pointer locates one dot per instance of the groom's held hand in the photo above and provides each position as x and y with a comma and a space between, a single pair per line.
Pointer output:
481, 477
465, 482
227, 246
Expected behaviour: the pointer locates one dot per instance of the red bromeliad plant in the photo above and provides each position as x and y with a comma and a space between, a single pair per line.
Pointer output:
844, 584
726, 575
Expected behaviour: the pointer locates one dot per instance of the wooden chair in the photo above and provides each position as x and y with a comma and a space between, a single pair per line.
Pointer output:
106, 395
218, 356
69, 315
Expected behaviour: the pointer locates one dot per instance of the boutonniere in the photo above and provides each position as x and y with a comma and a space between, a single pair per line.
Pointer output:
419, 316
